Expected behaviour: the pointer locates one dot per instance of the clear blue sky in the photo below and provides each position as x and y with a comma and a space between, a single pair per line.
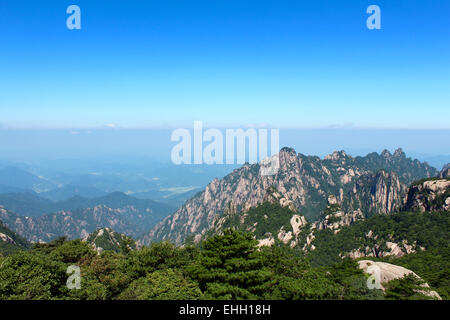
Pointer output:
168, 63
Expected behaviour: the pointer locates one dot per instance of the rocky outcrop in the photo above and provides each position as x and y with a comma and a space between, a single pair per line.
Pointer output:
107, 239
377, 193
303, 183
339, 219
388, 272
271, 222
273, 196
6, 238
9, 240
335, 218
429, 195
291, 237
384, 249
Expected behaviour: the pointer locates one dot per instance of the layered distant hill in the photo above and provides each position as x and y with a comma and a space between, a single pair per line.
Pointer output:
28, 204
374, 184
62, 180
78, 216
31, 205
16, 179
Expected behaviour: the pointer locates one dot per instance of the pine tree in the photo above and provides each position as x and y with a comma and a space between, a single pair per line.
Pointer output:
229, 267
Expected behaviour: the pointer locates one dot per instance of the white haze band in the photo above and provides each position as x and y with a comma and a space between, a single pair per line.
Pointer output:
190, 150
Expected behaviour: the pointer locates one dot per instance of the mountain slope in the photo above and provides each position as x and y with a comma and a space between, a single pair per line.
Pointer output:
340, 233
107, 239
10, 241
365, 183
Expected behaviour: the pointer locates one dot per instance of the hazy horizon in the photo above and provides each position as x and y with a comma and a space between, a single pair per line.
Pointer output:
35, 145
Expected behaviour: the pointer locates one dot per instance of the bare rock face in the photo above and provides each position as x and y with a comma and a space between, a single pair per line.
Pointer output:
377, 193
429, 195
10, 239
388, 272
383, 249
339, 219
297, 223
335, 218
332, 200
6, 238
268, 242
273, 221
291, 237
445, 173
303, 184
273, 196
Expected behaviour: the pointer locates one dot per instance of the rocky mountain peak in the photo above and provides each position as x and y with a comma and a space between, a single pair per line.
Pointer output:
288, 150
399, 153
445, 173
386, 154
303, 184
336, 156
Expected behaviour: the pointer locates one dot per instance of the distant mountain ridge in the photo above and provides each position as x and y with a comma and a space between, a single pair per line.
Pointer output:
27, 203
33, 205
17, 178
162, 182
69, 191
77, 217
375, 184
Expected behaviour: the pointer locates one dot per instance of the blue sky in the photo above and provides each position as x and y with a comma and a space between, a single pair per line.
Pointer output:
167, 63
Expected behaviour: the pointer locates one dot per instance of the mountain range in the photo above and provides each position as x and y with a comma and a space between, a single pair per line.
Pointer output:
331, 215
78, 216
336, 190
374, 184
